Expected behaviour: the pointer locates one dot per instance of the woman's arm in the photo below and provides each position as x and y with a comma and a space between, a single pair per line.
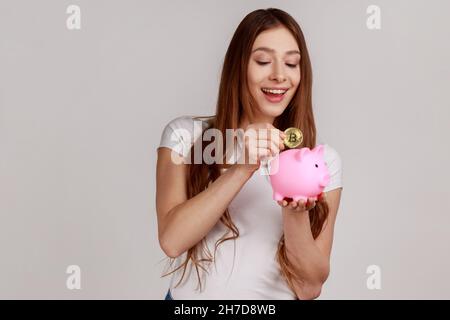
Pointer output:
310, 257
182, 223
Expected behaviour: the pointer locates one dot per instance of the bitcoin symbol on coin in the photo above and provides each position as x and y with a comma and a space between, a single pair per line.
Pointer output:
294, 137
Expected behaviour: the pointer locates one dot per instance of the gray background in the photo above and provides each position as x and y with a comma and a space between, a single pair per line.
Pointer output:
81, 114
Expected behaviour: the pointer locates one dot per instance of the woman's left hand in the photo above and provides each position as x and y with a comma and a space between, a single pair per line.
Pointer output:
299, 206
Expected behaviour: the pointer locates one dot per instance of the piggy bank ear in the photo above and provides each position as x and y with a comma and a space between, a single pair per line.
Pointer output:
302, 153
318, 150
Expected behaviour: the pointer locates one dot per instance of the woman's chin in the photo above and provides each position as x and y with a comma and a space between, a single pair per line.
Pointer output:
273, 110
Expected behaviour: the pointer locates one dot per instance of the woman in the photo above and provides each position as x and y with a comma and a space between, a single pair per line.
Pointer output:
262, 249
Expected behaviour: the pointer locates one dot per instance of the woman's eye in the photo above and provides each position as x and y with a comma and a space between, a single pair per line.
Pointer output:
290, 65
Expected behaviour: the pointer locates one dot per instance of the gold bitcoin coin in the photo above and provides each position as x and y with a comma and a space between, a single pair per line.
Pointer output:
294, 137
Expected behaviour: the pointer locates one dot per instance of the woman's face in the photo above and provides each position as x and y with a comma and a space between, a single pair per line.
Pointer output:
273, 71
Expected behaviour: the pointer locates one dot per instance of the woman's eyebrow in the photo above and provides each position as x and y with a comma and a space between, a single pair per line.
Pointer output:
269, 50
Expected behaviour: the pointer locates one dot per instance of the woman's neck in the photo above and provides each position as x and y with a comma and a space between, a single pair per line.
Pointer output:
257, 119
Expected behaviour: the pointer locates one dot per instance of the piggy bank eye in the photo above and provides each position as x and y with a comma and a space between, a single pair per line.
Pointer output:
316, 165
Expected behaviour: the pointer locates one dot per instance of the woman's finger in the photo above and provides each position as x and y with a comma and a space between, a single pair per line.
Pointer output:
274, 148
278, 138
310, 204
282, 203
270, 145
302, 204
263, 152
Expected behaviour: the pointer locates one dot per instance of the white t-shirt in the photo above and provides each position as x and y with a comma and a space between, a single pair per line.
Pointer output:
255, 273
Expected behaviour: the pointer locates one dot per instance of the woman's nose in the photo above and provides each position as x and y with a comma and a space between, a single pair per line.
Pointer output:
279, 77
278, 74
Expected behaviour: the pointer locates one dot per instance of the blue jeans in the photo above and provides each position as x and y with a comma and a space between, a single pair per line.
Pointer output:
168, 296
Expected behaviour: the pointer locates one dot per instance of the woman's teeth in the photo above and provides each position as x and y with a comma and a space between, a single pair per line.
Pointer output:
273, 91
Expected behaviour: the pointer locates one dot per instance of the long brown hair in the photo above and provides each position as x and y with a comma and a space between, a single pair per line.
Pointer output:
235, 100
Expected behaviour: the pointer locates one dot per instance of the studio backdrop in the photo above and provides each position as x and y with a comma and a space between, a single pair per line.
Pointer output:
87, 86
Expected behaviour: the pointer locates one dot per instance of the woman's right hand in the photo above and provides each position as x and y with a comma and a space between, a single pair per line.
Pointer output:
262, 140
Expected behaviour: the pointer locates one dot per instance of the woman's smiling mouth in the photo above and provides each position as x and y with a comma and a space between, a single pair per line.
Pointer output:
274, 95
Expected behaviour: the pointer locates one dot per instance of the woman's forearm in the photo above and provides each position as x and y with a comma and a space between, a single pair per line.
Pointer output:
310, 264
190, 221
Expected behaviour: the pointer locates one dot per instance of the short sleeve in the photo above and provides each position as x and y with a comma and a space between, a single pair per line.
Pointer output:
334, 165
180, 133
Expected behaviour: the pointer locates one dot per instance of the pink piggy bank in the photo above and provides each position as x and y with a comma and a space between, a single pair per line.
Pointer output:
298, 174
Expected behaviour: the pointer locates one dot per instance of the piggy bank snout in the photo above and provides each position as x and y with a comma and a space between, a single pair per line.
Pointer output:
324, 180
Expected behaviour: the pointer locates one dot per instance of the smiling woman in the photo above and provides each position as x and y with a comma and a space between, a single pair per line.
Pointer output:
279, 250
274, 72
